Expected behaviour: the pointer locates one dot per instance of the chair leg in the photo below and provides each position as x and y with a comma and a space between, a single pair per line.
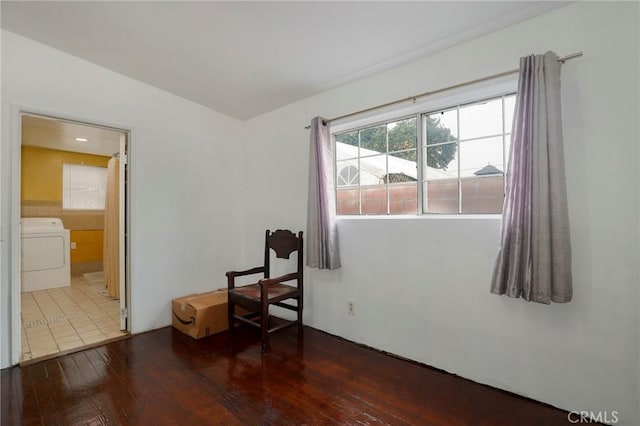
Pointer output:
264, 317
264, 326
300, 312
231, 310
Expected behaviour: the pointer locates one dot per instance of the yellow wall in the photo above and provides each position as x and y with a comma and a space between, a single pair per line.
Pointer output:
41, 178
89, 245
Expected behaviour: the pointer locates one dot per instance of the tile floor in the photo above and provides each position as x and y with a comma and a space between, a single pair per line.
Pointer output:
66, 318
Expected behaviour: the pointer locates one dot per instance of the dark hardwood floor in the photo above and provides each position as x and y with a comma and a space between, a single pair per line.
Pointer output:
164, 377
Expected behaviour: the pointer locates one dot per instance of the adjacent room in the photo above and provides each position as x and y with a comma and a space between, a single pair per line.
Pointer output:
326, 213
69, 213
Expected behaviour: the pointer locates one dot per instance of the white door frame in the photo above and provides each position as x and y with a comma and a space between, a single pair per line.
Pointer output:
122, 234
14, 215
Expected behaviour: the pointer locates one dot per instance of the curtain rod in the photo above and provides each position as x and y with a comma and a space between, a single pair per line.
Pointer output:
444, 89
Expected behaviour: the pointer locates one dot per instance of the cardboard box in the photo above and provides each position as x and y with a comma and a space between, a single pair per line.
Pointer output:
201, 315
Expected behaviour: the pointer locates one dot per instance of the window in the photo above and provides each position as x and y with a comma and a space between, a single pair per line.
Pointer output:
83, 187
448, 161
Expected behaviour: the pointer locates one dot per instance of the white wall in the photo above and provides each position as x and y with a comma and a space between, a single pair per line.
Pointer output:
421, 286
184, 162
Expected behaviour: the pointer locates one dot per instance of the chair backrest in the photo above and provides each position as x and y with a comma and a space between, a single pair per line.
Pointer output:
283, 243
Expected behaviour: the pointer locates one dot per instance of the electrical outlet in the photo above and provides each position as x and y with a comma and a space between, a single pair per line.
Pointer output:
351, 307
73, 245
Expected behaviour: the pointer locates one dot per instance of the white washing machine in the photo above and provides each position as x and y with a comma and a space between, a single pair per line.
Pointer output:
45, 254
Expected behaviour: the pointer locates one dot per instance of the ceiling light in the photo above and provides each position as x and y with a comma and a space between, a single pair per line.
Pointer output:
82, 140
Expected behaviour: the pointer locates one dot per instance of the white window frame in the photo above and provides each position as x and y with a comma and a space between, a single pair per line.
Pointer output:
79, 195
455, 99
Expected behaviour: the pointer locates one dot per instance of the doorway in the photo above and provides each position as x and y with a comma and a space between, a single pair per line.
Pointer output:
73, 249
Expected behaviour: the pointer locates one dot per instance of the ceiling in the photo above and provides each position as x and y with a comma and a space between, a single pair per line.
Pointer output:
45, 132
247, 58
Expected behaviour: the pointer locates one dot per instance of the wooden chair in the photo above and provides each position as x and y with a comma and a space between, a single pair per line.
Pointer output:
257, 297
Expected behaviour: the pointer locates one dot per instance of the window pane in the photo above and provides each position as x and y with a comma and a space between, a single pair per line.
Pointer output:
441, 156
403, 167
347, 173
403, 198
442, 196
509, 109
403, 176
345, 151
442, 127
402, 135
373, 140
482, 194
350, 138
482, 175
410, 155
346, 145
347, 201
373, 170
441, 189
481, 119
374, 199
481, 157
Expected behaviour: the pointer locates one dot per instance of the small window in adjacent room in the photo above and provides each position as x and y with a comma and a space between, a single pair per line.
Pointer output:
456, 166
83, 187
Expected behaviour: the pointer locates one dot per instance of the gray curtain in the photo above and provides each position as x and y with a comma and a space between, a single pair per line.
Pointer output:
322, 233
534, 261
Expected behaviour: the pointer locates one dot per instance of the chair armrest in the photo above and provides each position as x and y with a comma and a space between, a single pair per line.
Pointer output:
231, 275
251, 271
281, 279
